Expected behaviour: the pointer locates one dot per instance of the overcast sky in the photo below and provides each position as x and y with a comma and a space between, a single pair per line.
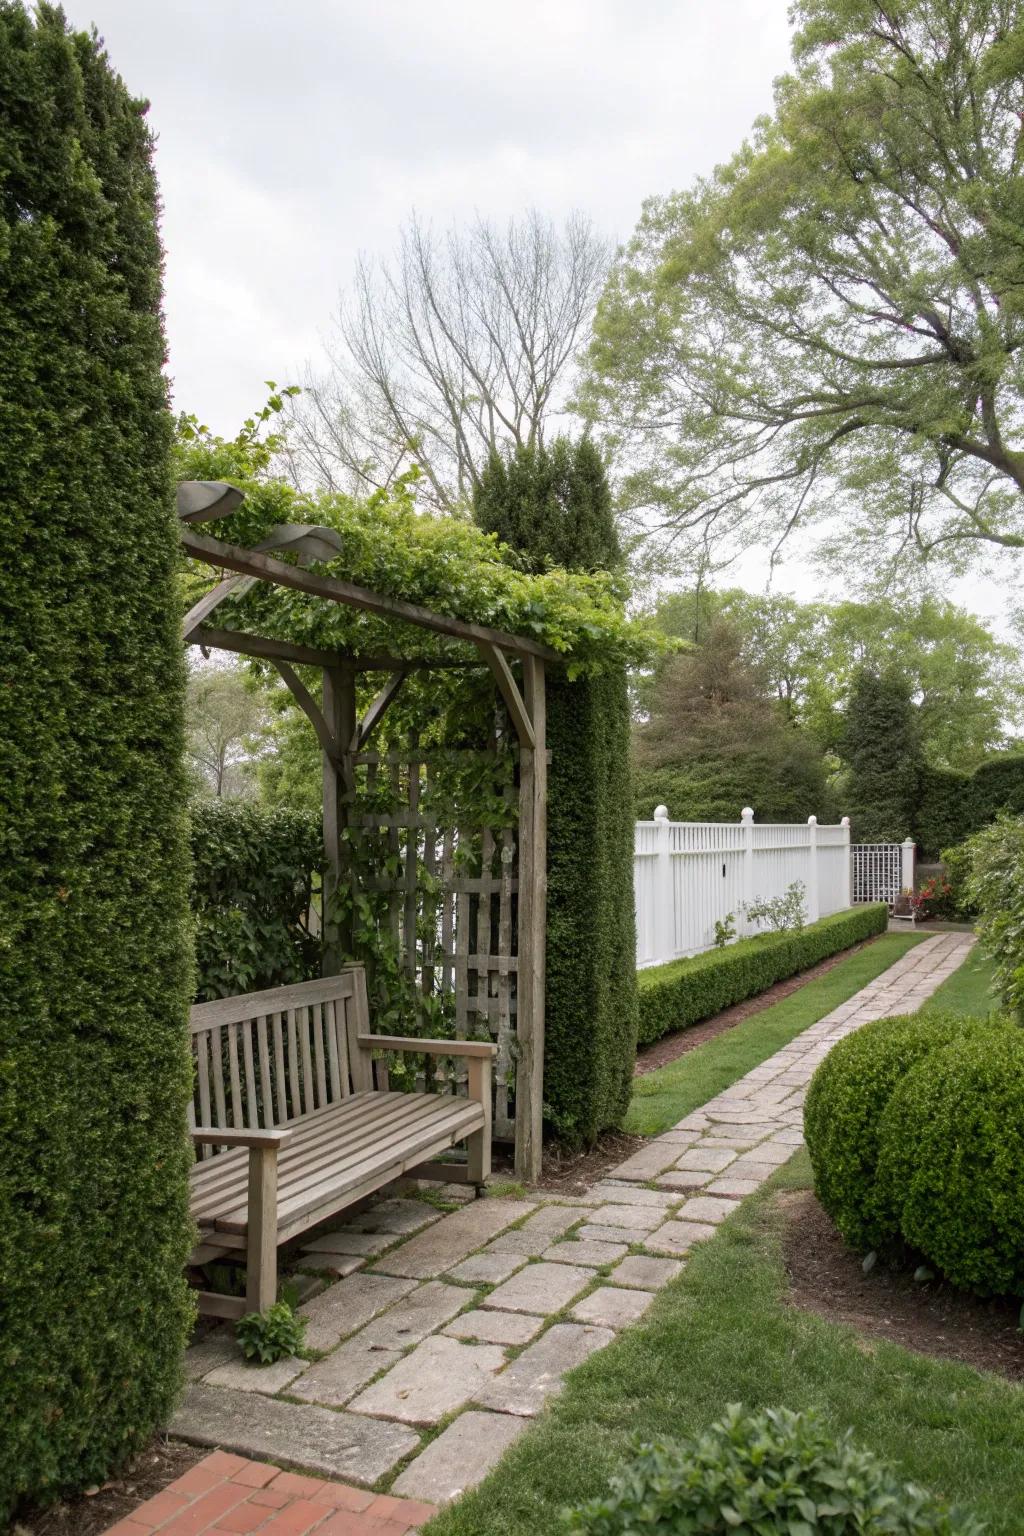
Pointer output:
292, 137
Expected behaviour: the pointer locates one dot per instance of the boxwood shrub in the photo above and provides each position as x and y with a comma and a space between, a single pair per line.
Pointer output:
843, 1112
774, 1471
674, 996
951, 1160
95, 970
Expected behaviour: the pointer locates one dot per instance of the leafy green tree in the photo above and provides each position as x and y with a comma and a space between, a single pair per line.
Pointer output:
226, 727
882, 752
553, 504
556, 507
715, 740
95, 964
830, 326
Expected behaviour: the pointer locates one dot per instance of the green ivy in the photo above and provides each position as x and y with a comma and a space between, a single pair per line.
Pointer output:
95, 971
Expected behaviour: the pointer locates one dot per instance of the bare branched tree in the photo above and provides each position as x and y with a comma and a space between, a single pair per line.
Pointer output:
464, 343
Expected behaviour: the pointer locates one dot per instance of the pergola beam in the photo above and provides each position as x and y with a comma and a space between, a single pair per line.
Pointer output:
265, 649
247, 562
509, 690
376, 711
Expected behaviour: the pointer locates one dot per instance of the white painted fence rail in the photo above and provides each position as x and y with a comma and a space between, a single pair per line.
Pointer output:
689, 874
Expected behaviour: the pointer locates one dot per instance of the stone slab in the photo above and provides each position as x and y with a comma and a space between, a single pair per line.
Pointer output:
342, 1445
347, 1306
629, 1194
421, 1312
337, 1265
347, 1240
495, 1327
436, 1379
453, 1238
340, 1375
736, 1188
584, 1251
648, 1161
645, 1273
706, 1158
710, 1208
528, 1245
752, 1170
555, 1219
643, 1218
217, 1349
400, 1217
488, 1268
626, 1235
612, 1307
678, 1237
525, 1385
540, 1289
460, 1457
247, 1377
677, 1178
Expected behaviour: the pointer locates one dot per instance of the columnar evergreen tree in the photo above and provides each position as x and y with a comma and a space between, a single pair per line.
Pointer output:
94, 959
881, 749
553, 506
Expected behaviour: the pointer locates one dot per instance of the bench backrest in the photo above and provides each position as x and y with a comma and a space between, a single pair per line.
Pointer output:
267, 1058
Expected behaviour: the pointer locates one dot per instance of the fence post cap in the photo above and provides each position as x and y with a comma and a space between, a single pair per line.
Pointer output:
812, 821
908, 842
747, 813
661, 813
845, 822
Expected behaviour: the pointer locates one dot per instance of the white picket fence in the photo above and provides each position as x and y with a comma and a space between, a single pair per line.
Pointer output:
689, 874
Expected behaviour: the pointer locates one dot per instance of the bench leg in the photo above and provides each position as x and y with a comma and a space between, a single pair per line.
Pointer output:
261, 1248
479, 1144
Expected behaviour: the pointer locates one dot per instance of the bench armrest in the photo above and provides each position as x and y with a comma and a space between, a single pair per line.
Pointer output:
470, 1048
232, 1138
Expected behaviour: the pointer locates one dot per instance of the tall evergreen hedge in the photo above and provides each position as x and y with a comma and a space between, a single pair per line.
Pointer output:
94, 960
881, 747
951, 805
553, 505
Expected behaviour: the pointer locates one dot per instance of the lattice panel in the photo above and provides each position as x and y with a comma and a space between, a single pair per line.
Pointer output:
451, 897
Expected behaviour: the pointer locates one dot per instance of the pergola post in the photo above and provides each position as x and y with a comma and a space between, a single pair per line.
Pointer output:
533, 773
339, 711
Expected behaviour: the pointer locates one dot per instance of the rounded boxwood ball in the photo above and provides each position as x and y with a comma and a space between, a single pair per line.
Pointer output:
844, 1106
951, 1160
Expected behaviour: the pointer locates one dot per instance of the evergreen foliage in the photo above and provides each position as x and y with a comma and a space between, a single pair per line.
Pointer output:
881, 747
253, 868
591, 1009
94, 958
553, 505
994, 888
683, 992
951, 806
716, 740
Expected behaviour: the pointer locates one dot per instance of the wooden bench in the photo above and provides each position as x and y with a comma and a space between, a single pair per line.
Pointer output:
294, 1121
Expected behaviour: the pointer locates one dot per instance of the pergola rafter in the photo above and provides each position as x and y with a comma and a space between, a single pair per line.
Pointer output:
344, 738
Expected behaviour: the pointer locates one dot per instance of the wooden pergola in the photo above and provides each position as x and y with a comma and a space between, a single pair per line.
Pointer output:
346, 745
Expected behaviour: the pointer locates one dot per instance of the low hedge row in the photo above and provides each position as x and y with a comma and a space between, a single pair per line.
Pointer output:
674, 996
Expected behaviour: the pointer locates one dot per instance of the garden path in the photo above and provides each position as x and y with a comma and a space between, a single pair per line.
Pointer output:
442, 1335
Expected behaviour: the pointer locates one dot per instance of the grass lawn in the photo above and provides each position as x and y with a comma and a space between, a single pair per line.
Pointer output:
665, 1096
968, 990
721, 1333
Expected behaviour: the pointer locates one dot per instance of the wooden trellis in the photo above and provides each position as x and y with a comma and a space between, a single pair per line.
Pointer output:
477, 931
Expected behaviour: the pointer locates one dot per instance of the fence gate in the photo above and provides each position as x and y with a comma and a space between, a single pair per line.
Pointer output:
881, 870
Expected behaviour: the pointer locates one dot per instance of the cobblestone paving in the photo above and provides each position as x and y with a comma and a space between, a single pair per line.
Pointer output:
471, 1319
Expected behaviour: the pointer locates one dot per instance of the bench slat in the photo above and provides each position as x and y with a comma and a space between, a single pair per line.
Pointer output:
308, 1099
232, 1010
263, 1053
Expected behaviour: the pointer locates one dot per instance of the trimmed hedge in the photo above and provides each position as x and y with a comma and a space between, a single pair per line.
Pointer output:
674, 996
252, 883
842, 1115
953, 805
95, 969
951, 1160
591, 992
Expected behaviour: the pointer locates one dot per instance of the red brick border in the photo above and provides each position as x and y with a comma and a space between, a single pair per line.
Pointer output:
225, 1493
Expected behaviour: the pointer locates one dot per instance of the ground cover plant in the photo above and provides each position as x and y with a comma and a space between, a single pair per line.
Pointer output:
94, 956
723, 1333
684, 992
663, 1097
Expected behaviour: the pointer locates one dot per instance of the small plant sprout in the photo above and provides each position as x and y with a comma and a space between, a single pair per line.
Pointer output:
780, 914
271, 1335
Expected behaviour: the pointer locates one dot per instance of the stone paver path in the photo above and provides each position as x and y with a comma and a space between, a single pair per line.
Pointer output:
471, 1319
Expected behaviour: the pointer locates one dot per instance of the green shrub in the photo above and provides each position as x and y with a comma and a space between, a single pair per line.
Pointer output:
951, 1160
271, 1335
843, 1111
774, 1471
995, 888
95, 972
951, 806
957, 861
252, 880
674, 996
